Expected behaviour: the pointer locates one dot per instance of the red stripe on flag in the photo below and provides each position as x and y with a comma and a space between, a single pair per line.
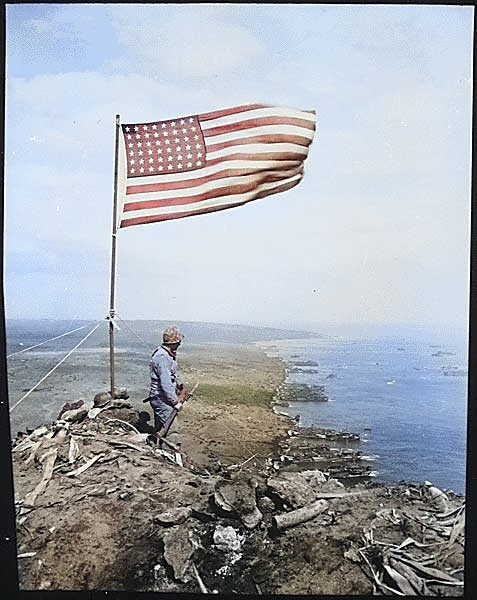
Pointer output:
191, 183
190, 213
226, 189
217, 114
252, 123
260, 139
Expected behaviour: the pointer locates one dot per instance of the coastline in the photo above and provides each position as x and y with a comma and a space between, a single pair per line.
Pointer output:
234, 483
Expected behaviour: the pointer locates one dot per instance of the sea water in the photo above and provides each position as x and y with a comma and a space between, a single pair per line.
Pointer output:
405, 396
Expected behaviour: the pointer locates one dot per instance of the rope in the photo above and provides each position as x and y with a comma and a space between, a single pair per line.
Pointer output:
137, 335
54, 368
46, 341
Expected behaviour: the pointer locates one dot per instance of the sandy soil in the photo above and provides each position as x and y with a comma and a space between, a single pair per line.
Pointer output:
136, 520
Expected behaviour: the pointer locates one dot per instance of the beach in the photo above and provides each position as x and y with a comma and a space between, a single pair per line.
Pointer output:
117, 515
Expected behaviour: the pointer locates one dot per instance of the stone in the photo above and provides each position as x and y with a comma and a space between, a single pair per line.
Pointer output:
238, 497
292, 488
178, 550
101, 399
175, 515
75, 416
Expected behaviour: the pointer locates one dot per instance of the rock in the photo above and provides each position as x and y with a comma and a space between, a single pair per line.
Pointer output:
266, 504
75, 416
69, 406
292, 489
175, 516
122, 394
101, 399
437, 496
332, 485
315, 478
238, 497
251, 519
178, 550
227, 539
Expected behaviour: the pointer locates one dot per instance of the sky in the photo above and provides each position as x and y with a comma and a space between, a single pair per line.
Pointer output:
376, 234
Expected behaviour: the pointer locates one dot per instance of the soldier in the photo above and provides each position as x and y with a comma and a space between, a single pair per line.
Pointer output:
163, 392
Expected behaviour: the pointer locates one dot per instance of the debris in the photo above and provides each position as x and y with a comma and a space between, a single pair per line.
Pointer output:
228, 541
300, 515
87, 465
243, 532
49, 458
74, 451
202, 587
26, 555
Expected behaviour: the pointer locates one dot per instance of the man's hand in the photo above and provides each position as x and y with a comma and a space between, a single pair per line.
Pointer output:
184, 396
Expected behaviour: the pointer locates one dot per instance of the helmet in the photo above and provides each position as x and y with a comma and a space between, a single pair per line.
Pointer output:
172, 335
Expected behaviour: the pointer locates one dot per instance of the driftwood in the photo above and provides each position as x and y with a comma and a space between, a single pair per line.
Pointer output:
202, 587
300, 515
407, 567
86, 465
124, 423
74, 451
49, 458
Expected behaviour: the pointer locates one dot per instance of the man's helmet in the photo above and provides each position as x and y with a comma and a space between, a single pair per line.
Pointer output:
172, 335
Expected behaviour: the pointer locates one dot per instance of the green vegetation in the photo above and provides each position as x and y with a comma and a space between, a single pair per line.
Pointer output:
234, 394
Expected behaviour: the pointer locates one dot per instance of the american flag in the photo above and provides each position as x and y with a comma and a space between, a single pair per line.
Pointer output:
212, 161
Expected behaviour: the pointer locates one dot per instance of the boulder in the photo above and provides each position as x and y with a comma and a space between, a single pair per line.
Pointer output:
178, 550
75, 416
238, 498
101, 399
292, 489
69, 406
175, 515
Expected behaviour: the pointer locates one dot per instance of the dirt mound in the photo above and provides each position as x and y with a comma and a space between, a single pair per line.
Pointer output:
100, 506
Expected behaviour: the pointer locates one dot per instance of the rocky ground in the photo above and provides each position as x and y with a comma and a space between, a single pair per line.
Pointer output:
252, 504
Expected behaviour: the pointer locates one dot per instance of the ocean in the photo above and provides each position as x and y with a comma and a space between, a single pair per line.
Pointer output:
405, 395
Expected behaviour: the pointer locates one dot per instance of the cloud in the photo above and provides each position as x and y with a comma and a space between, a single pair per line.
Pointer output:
191, 41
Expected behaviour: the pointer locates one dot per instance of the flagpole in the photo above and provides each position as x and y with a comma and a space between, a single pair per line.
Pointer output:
113, 261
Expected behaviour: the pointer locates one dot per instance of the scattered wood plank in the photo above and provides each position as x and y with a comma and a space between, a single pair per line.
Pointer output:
49, 457
87, 465
123, 443
430, 571
202, 587
402, 583
74, 451
124, 423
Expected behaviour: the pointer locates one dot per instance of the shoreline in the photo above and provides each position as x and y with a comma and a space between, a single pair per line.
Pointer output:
242, 375
236, 517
